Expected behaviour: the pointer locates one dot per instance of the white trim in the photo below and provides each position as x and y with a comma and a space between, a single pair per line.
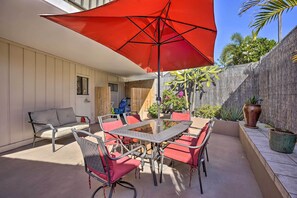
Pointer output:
63, 5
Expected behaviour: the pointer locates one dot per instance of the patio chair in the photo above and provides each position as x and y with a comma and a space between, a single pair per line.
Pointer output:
111, 122
189, 149
132, 118
107, 168
184, 116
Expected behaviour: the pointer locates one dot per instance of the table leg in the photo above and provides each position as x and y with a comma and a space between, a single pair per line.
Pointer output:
162, 160
152, 160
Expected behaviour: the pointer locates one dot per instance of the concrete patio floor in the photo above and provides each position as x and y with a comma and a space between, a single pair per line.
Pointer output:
37, 172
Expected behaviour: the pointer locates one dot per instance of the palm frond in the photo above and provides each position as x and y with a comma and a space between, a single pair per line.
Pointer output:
237, 38
270, 11
225, 55
249, 4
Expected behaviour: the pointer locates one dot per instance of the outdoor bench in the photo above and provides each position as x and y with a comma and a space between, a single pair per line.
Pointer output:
55, 123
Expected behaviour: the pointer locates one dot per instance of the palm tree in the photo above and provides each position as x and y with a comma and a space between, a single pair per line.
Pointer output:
226, 58
268, 11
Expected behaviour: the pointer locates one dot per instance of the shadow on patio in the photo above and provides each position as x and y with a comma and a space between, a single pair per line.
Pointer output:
37, 172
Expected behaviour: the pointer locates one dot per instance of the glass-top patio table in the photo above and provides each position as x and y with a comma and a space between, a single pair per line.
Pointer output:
148, 131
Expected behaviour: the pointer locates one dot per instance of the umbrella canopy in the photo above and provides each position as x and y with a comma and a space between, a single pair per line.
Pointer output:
157, 35
179, 34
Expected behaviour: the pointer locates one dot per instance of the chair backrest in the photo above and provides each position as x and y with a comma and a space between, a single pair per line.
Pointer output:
95, 156
202, 140
132, 118
181, 116
108, 123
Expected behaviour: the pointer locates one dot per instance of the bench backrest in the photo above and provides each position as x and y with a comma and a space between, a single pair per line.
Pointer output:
56, 117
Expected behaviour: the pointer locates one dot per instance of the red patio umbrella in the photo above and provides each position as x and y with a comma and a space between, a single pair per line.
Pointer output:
157, 35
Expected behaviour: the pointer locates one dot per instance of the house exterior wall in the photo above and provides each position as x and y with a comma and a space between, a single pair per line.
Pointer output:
32, 80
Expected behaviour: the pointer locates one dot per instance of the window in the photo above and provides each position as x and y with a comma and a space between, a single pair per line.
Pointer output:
113, 87
82, 85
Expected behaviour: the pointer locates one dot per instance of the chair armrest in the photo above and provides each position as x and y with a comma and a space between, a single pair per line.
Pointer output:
191, 135
184, 145
189, 146
119, 142
80, 116
131, 152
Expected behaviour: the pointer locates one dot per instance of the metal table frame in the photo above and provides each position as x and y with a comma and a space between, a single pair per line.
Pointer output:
155, 139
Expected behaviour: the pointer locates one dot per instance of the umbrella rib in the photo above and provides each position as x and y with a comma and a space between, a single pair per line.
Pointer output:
141, 30
192, 46
139, 42
155, 17
163, 43
178, 34
197, 26
168, 4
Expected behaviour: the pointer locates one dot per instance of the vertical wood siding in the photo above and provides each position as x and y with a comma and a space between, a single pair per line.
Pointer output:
32, 80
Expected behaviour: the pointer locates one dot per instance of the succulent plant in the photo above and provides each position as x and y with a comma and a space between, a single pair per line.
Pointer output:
254, 100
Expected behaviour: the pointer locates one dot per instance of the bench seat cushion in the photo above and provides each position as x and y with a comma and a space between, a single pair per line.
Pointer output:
46, 117
62, 130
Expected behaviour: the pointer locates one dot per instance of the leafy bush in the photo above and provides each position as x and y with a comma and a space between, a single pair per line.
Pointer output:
153, 110
172, 101
231, 114
207, 111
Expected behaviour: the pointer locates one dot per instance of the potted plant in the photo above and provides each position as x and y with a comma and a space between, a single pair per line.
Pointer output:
283, 141
251, 111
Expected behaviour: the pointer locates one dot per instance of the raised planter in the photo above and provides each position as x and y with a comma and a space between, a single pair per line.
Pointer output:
230, 128
282, 141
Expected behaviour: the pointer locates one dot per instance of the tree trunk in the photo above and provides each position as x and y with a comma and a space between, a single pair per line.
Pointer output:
279, 27
186, 95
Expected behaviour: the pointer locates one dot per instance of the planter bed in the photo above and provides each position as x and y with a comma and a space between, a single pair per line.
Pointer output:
276, 173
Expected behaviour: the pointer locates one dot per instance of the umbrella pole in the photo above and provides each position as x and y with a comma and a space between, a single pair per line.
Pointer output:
159, 73
159, 88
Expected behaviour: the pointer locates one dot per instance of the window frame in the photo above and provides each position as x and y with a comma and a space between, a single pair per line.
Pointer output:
80, 85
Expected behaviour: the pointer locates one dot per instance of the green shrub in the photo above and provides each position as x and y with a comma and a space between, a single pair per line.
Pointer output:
231, 114
153, 110
207, 111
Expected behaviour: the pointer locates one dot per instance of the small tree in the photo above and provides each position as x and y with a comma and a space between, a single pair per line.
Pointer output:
192, 81
172, 101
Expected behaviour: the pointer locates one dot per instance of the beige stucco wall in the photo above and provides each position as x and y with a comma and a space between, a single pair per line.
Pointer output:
32, 80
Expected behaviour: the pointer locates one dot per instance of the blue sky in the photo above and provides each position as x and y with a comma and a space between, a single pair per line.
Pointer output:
228, 22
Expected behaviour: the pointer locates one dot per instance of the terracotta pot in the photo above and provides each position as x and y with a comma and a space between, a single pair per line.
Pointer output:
282, 141
251, 115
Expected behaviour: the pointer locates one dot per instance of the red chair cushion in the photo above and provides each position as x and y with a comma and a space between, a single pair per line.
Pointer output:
118, 168
184, 154
109, 126
132, 119
181, 116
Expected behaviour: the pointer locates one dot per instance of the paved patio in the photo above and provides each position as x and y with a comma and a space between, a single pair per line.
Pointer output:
37, 172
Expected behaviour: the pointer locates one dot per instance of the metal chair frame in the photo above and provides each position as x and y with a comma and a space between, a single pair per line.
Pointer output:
201, 158
93, 159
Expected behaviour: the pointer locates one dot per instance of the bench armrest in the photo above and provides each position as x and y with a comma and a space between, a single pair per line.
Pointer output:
48, 124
